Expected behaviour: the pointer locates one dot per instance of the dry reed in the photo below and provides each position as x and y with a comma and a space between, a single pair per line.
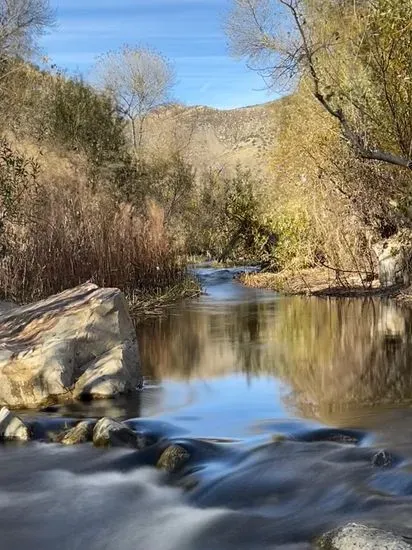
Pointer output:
69, 234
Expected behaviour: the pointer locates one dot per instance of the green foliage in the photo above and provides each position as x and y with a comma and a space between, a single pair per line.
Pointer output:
93, 217
365, 67
243, 212
168, 181
385, 47
362, 58
343, 158
82, 119
215, 214
293, 232
60, 111
229, 220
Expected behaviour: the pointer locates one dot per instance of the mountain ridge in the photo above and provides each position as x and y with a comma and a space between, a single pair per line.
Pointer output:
214, 139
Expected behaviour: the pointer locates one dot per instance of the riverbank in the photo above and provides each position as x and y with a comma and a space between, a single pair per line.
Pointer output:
143, 304
322, 282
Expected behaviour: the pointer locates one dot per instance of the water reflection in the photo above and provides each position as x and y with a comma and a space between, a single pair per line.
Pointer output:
345, 353
196, 343
334, 354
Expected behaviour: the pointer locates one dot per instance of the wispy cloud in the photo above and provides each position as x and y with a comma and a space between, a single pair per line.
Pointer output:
189, 32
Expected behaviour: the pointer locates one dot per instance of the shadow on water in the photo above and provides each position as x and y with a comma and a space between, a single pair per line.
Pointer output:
283, 405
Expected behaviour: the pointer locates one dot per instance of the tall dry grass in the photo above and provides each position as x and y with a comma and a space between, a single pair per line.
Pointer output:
65, 215
68, 234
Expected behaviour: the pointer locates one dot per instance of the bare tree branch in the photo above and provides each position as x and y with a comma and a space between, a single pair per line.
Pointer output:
139, 80
289, 60
21, 23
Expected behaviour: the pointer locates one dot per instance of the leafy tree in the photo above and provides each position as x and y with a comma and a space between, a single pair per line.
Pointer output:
83, 119
227, 218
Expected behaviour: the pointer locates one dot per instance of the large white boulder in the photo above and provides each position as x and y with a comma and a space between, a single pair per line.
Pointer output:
79, 343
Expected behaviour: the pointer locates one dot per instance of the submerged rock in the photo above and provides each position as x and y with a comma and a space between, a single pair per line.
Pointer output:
82, 433
80, 343
12, 427
348, 437
279, 438
109, 433
383, 459
360, 537
173, 459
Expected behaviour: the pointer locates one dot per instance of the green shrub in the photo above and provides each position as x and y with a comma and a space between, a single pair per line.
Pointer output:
82, 119
228, 220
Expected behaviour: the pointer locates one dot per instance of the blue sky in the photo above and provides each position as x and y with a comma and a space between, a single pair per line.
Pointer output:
189, 32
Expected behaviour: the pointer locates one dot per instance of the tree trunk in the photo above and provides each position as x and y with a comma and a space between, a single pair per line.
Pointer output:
141, 124
134, 137
230, 246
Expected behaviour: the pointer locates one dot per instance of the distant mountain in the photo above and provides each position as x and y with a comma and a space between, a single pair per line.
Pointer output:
213, 138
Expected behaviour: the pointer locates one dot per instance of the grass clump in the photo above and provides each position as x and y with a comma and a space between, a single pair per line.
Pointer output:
149, 304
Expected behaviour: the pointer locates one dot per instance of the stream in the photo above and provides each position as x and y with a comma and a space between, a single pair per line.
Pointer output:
296, 413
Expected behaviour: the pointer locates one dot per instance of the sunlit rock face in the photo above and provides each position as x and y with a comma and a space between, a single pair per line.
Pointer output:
79, 343
361, 537
12, 427
394, 256
110, 433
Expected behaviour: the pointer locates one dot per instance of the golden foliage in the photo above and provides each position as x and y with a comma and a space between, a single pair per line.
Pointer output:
311, 200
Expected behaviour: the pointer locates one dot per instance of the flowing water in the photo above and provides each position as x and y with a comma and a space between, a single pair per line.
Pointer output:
283, 404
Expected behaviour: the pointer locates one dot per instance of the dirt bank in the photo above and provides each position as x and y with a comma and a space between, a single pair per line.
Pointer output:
323, 282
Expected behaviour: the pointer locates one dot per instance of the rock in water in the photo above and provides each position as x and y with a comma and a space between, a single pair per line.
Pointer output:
82, 433
383, 459
78, 344
173, 459
11, 427
394, 256
360, 537
109, 433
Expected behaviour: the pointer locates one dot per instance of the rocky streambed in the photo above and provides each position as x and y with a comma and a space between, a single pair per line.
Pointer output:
263, 422
318, 488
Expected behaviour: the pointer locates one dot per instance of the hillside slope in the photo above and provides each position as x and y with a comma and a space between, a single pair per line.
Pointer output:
213, 138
